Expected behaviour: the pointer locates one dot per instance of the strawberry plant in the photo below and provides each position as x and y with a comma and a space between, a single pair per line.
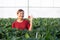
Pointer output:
43, 29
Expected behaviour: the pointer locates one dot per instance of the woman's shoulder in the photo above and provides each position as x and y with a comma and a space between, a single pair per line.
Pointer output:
14, 21
26, 20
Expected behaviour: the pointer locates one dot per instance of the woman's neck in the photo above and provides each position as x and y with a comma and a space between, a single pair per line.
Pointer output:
19, 20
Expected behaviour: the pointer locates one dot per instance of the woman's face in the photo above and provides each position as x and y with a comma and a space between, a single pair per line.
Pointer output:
20, 14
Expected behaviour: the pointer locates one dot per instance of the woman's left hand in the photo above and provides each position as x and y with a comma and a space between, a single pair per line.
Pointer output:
30, 18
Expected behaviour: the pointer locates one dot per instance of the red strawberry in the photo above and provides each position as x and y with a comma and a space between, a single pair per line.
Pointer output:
28, 16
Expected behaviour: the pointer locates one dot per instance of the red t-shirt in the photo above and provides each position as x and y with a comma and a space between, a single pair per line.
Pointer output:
23, 25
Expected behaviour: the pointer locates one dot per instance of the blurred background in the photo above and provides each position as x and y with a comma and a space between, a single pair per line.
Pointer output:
36, 8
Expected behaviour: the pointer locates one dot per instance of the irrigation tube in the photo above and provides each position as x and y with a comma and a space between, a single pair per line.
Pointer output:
36, 34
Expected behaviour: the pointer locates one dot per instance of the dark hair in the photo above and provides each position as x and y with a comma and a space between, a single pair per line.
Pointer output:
20, 11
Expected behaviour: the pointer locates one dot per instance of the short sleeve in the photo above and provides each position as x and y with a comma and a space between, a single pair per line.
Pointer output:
28, 25
13, 25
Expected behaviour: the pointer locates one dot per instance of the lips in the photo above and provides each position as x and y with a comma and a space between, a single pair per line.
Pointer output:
21, 16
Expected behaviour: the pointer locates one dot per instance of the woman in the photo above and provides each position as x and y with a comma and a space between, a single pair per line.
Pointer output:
21, 23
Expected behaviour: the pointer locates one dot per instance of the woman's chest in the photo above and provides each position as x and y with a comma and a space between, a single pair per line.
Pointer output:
20, 25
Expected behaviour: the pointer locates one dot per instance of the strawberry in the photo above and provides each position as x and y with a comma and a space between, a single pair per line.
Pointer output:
28, 16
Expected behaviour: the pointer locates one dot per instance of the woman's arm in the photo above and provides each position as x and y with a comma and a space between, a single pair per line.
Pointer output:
30, 19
